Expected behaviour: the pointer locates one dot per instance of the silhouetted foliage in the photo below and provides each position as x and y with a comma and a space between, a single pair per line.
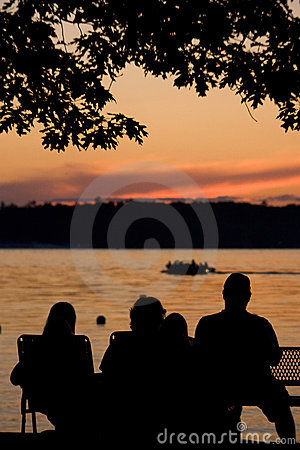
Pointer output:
63, 84
240, 225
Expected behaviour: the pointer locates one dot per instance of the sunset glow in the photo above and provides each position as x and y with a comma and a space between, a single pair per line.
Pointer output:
212, 139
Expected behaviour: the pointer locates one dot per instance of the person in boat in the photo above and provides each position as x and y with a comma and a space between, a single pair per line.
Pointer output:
168, 265
237, 348
131, 368
58, 381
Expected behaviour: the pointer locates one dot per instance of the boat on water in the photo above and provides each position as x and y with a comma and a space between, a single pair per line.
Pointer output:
188, 268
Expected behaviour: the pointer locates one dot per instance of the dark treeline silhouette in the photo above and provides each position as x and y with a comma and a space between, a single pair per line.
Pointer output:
240, 225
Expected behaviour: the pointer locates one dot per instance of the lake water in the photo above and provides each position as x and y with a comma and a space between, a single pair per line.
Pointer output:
107, 282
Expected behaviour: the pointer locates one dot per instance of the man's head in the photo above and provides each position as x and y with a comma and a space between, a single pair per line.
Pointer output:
146, 315
236, 292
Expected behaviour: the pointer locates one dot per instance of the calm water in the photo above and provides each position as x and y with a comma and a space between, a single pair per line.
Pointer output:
108, 282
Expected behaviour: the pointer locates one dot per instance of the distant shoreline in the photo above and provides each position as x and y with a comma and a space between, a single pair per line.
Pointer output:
227, 225
32, 246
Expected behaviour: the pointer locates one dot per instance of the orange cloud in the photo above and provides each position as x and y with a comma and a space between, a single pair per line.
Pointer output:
214, 179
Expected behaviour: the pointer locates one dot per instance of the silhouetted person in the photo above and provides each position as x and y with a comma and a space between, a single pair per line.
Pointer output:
131, 368
174, 334
175, 326
61, 321
58, 379
237, 349
193, 268
178, 374
60, 325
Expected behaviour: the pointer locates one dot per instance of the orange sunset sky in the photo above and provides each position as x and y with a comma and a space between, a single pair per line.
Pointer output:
212, 139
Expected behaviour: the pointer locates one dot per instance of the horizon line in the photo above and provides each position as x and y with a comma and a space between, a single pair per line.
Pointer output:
283, 200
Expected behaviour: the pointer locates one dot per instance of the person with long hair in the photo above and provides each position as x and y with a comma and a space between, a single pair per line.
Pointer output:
61, 320
57, 377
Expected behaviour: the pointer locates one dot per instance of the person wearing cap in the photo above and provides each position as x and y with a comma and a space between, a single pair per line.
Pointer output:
129, 353
131, 369
237, 349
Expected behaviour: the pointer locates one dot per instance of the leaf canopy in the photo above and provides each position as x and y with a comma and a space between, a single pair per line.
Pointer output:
250, 46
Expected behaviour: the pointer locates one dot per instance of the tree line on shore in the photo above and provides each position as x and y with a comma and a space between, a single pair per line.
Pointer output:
240, 225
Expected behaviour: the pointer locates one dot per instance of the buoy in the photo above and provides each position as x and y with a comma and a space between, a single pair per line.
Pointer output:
101, 320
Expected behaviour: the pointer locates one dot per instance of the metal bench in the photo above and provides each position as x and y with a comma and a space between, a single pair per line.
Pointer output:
30, 349
287, 370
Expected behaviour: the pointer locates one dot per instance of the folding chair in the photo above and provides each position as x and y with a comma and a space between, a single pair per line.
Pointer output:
31, 349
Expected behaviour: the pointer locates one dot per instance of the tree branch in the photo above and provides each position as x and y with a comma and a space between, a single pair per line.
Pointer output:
63, 35
248, 109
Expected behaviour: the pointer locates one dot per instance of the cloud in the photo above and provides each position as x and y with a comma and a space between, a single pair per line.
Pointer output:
223, 179
46, 186
283, 199
245, 172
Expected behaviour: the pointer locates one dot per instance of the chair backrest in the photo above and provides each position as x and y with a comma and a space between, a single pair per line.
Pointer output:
49, 364
288, 369
28, 344
116, 336
32, 351
31, 347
